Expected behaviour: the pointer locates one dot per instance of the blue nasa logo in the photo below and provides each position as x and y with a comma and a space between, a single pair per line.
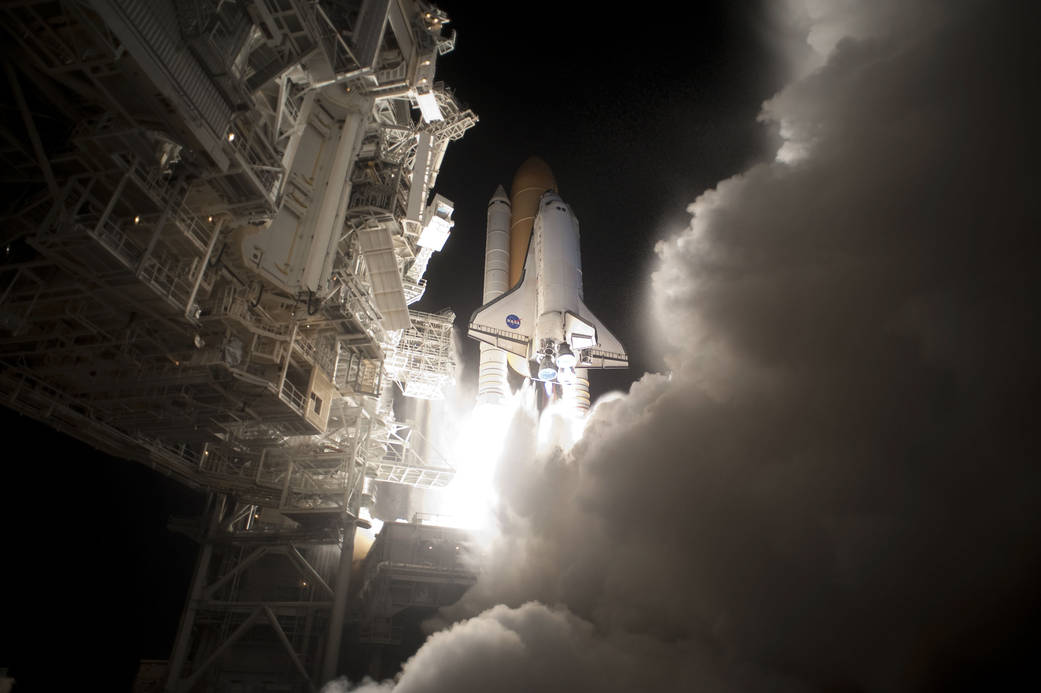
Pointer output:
512, 321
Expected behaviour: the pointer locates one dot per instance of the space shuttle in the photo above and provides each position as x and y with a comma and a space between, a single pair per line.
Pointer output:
538, 318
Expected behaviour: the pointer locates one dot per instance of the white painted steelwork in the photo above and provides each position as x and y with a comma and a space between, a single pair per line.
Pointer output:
203, 259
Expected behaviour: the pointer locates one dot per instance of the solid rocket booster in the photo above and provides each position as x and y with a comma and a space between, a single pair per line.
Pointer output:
492, 384
542, 321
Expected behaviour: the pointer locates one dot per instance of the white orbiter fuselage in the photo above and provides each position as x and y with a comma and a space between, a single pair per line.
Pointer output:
543, 318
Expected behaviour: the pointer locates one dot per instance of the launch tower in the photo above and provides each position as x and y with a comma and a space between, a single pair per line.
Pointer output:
207, 258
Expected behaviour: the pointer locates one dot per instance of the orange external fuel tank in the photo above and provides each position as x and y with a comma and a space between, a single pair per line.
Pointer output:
532, 179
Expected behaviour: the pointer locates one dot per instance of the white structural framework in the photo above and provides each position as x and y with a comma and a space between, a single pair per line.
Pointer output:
541, 323
421, 362
207, 260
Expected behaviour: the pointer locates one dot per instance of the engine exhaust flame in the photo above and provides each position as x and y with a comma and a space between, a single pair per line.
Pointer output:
471, 500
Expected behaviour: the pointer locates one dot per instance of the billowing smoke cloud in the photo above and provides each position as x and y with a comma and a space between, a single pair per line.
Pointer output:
836, 488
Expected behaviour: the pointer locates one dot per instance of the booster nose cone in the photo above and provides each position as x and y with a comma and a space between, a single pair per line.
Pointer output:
499, 196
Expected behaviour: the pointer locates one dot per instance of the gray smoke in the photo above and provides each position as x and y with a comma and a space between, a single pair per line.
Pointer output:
837, 487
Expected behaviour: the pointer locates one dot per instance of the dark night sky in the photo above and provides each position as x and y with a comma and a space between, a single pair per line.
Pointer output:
837, 487
636, 113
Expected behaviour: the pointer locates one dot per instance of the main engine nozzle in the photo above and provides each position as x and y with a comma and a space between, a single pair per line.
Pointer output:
565, 357
547, 371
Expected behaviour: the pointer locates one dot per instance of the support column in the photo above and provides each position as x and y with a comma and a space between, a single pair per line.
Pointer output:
30, 128
164, 217
331, 662
115, 195
202, 269
179, 654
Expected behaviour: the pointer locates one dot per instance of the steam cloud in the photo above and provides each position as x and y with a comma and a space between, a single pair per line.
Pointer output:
837, 486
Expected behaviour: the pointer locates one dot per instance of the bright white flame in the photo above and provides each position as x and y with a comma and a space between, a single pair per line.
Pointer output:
377, 524
560, 426
470, 499
365, 538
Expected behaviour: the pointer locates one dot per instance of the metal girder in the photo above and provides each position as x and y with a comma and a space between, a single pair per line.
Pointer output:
30, 127
124, 322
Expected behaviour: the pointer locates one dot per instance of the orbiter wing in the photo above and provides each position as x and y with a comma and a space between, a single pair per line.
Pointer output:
508, 322
607, 351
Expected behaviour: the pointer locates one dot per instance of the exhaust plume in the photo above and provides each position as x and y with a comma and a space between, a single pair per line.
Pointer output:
837, 487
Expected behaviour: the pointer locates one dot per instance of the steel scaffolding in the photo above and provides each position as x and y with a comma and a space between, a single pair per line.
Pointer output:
422, 362
208, 248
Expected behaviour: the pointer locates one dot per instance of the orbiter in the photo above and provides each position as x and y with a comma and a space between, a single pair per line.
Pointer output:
542, 321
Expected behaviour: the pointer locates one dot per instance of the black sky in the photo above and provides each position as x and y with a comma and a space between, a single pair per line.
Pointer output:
637, 112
